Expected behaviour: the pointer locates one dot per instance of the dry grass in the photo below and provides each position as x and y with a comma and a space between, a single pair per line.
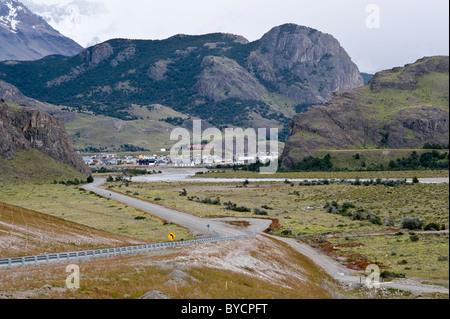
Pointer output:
26, 233
85, 208
35, 167
301, 207
237, 269
426, 258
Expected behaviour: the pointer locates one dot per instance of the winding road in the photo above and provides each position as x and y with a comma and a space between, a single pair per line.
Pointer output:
218, 228
199, 226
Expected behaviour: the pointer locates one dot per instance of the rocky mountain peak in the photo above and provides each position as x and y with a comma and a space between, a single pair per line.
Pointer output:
290, 44
296, 59
26, 36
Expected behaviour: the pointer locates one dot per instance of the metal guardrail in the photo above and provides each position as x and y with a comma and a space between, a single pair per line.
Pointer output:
102, 253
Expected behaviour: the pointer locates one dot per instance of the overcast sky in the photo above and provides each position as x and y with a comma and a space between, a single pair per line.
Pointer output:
407, 31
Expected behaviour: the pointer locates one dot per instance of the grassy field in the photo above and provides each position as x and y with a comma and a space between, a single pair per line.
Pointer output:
87, 130
426, 258
97, 131
229, 173
43, 170
300, 210
82, 207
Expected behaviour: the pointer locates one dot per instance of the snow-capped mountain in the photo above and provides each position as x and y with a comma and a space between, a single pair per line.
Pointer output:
26, 36
80, 20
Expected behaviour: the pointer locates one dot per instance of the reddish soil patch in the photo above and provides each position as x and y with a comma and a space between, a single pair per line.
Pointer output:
240, 223
354, 261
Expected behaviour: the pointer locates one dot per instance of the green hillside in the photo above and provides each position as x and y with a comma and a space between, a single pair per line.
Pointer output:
403, 108
35, 167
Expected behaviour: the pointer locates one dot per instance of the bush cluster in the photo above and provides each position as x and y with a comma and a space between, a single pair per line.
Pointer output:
236, 208
356, 182
260, 212
415, 223
347, 210
208, 201
69, 182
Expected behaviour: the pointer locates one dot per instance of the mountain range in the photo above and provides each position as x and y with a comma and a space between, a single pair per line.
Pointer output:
26, 36
132, 93
221, 78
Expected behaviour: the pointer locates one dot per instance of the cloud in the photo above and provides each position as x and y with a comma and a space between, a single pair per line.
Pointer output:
77, 19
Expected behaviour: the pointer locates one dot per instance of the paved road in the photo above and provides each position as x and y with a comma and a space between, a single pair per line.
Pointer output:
199, 226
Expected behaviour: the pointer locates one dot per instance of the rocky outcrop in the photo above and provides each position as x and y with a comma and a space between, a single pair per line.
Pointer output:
224, 78
406, 78
26, 36
25, 128
154, 294
125, 55
399, 108
157, 72
92, 57
304, 64
97, 54
10, 93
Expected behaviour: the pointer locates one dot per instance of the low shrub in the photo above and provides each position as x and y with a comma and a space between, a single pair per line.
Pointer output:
234, 207
432, 226
391, 275
414, 238
209, 201
412, 223
260, 212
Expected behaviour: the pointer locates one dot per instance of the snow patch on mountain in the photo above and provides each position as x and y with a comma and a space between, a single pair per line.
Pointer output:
27, 36
73, 18
10, 20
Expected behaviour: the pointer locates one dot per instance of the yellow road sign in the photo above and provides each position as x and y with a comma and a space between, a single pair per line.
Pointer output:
172, 236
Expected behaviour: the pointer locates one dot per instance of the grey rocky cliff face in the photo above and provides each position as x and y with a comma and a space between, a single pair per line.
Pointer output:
295, 61
304, 64
10, 93
92, 57
26, 128
223, 78
430, 125
157, 72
